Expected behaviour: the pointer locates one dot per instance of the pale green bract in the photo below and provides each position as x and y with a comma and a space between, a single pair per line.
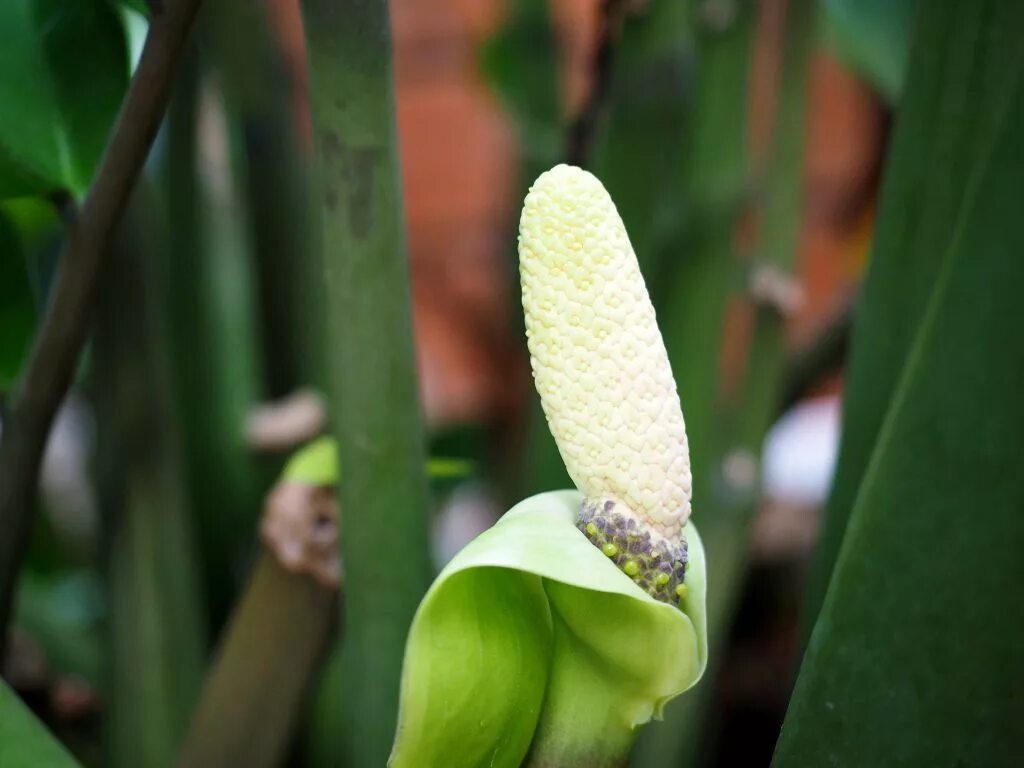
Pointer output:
532, 646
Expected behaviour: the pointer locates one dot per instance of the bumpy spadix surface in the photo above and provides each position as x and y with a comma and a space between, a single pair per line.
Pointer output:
598, 359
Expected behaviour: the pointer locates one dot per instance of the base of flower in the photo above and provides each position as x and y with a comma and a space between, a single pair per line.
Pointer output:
657, 565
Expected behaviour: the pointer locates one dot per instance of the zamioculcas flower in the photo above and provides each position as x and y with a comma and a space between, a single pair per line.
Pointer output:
554, 635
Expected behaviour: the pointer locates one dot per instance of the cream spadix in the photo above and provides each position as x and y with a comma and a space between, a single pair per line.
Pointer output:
600, 366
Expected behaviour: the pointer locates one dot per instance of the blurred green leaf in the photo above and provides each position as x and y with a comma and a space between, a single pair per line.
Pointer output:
873, 36
62, 612
24, 742
17, 310
71, 61
947, 123
317, 464
915, 658
532, 636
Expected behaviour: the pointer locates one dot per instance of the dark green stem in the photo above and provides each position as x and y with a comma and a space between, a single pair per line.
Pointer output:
155, 612
374, 394
272, 174
58, 345
722, 513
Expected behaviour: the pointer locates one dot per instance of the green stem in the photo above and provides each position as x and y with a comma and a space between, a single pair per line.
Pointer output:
272, 174
254, 691
374, 397
723, 517
211, 386
58, 345
155, 626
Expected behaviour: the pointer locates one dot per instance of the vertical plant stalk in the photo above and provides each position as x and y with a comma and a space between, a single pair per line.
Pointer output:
584, 126
253, 692
374, 393
724, 516
56, 349
212, 379
155, 625
272, 175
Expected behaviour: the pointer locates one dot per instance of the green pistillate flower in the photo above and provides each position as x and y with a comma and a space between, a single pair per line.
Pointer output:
551, 637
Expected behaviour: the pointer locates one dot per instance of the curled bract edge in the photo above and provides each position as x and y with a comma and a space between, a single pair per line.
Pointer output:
532, 640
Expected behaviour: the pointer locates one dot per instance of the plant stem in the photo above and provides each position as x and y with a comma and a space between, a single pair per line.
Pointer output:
156, 632
374, 395
272, 174
55, 352
723, 515
584, 126
823, 356
255, 688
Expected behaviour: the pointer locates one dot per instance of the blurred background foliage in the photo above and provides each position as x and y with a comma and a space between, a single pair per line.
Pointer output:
242, 314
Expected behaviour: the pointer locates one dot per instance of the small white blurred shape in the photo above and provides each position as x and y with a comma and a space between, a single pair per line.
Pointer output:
800, 453
64, 480
470, 510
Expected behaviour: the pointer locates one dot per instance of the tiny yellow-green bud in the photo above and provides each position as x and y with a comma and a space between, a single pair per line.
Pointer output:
610, 549
631, 568
661, 579
592, 529
681, 591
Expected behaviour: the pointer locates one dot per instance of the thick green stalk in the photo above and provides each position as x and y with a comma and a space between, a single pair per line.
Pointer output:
254, 691
272, 174
155, 624
374, 398
718, 430
209, 345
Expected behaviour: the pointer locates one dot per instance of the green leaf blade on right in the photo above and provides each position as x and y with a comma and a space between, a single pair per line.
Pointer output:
915, 658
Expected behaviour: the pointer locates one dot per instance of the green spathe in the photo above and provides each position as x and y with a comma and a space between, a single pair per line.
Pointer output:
531, 645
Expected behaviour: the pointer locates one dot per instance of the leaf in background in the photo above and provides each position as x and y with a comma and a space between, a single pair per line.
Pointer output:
71, 61
947, 122
873, 36
317, 464
915, 658
531, 634
17, 310
24, 742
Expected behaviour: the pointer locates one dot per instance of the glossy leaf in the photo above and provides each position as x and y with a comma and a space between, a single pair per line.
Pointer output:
915, 657
71, 61
24, 742
532, 644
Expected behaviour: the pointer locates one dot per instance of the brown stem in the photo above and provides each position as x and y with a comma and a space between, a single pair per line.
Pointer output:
58, 344
822, 357
584, 126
